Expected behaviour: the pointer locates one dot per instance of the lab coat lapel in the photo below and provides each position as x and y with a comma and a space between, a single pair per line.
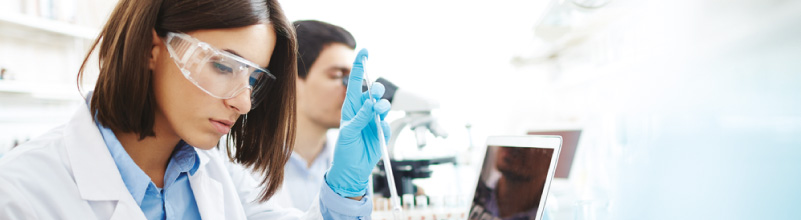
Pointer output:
208, 192
96, 175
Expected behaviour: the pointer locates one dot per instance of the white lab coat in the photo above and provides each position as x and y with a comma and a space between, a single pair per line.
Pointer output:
68, 173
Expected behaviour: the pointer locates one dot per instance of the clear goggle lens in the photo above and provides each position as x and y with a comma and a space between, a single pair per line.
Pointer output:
218, 73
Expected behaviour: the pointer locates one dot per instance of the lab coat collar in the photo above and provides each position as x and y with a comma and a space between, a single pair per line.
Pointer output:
95, 172
208, 192
96, 175
98, 179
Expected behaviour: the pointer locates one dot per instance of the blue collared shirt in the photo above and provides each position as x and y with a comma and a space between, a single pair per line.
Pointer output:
302, 181
176, 200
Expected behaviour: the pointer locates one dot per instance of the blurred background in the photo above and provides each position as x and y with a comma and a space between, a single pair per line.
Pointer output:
686, 109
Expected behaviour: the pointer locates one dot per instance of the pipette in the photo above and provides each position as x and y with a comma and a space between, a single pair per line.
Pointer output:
397, 211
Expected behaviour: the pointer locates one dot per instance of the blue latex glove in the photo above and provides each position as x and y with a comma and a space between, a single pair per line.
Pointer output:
357, 149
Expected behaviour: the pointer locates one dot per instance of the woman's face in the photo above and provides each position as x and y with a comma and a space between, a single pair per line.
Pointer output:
186, 112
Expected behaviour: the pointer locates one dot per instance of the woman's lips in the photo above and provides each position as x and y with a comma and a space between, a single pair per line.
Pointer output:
222, 127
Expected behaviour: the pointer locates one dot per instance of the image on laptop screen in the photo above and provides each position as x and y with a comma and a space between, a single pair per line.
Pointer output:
511, 183
570, 140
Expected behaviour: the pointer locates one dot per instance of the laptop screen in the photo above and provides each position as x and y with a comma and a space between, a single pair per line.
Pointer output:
511, 183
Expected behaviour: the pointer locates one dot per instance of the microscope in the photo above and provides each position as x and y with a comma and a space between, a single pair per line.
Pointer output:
419, 119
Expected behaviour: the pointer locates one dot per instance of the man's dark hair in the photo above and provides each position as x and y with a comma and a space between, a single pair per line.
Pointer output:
313, 36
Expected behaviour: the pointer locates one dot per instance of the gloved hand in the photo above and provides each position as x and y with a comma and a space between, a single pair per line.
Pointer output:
357, 149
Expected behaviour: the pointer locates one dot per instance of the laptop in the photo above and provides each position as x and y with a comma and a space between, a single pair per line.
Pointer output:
515, 177
570, 140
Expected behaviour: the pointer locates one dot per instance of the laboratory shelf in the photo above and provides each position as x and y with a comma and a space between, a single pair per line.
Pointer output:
35, 24
39, 91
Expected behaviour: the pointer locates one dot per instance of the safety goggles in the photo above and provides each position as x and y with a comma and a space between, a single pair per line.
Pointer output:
219, 73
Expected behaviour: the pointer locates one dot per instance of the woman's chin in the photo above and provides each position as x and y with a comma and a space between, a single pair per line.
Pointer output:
203, 143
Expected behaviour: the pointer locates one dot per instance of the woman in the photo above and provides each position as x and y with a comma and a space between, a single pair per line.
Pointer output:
176, 75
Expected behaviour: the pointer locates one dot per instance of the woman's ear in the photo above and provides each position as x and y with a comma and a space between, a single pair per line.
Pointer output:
155, 49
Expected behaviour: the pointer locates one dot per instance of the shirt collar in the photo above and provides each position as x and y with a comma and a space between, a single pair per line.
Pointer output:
185, 158
327, 154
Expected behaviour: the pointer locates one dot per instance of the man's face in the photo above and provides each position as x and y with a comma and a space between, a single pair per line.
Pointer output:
321, 93
524, 164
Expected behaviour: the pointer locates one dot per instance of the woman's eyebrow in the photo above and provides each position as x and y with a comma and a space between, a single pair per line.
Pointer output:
234, 53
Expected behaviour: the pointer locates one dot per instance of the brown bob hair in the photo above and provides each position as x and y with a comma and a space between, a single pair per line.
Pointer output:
123, 98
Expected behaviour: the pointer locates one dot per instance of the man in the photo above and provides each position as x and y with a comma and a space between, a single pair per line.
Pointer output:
326, 54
